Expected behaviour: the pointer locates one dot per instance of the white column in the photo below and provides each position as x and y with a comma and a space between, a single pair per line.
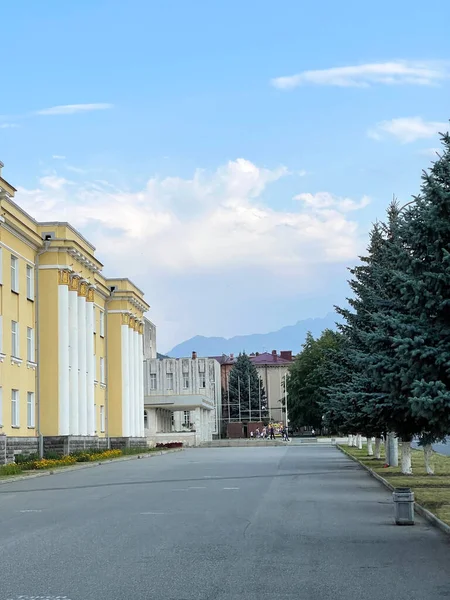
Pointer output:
90, 369
137, 416
82, 401
140, 356
132, 405
63, 359
125, 382
73, 358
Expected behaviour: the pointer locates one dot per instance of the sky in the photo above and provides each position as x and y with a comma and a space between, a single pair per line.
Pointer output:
229, 157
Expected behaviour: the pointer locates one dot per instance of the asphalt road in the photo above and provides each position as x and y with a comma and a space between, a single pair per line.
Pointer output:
220, 524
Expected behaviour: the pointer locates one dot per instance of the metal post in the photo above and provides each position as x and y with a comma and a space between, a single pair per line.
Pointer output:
249, 400
259, 396
285, 398
239, 397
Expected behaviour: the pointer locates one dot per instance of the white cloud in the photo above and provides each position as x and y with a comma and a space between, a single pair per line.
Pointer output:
53, 182
213, 221
407, 129
58, 157
8, 125
322, 200
387, 73
71, 109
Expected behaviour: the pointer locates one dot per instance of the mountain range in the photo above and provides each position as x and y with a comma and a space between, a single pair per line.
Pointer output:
290, 337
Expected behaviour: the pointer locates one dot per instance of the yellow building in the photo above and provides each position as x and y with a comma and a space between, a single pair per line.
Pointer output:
71, 340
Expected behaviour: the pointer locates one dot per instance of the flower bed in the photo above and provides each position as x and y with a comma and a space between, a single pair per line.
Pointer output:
53, 460
169, 445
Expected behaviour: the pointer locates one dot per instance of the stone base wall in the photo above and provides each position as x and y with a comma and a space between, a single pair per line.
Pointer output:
65, 444
10, 446
61, 444
130, 442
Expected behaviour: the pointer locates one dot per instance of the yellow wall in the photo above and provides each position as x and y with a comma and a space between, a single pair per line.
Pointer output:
16, 306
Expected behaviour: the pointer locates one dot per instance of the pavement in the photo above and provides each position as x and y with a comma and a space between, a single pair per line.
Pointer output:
216, 524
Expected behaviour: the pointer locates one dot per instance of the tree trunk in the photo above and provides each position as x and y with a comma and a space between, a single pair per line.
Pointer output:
378, 447
428, 453
393, 449
369, 446
406, 458
359, 441
350, 440
355, 441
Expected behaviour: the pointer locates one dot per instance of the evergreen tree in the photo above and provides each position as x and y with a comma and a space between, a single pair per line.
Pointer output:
308, 380
423, 281
246, 391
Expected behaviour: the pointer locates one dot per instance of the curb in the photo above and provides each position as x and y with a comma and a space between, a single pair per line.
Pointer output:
81, 466
418, 508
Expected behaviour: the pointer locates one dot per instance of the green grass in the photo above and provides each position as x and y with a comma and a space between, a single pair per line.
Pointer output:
430, 491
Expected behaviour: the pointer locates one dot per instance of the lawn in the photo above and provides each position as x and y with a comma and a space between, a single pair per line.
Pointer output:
431, 491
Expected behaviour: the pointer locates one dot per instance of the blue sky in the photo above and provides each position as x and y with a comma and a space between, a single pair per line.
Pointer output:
228, 156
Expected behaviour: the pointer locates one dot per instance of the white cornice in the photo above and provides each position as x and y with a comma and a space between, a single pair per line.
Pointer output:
14, 251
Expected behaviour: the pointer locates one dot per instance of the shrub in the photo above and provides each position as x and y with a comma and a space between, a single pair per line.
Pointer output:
20, 459
11, 469
52, 455
169, 445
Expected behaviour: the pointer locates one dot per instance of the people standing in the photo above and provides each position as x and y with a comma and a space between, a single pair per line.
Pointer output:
272, 433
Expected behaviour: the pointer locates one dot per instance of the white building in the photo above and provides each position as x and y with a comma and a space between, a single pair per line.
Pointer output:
183, 399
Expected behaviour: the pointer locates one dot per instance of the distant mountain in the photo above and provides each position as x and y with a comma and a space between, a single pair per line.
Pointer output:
290, 337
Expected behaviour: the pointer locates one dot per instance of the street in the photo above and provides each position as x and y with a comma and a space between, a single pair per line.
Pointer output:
221, 524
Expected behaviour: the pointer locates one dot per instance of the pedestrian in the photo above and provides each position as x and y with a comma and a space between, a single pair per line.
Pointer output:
272, 433
313, 433
258, 434
251, 434
286, 435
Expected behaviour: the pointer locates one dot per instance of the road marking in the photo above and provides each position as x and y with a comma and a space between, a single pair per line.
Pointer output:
31, 510
230, 488
152, 513
198, 488
180, 490
211, 476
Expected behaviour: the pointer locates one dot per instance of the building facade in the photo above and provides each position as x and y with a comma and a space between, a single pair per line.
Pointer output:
182, 399
272, 368
71, 340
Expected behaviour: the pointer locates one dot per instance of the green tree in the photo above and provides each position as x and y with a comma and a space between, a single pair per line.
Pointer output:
308, 379
422, 278
247, 394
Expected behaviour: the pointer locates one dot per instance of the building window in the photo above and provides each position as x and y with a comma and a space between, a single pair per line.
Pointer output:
153, 381
145, 419
102, 369
169, 381
30, 283
95, 368
14, 273
185, 381
102, 323
187, 418
15, 408
30, 409
94, 318
1, 265
15, 339
102, 418
203, 380
30, 345
1, 406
